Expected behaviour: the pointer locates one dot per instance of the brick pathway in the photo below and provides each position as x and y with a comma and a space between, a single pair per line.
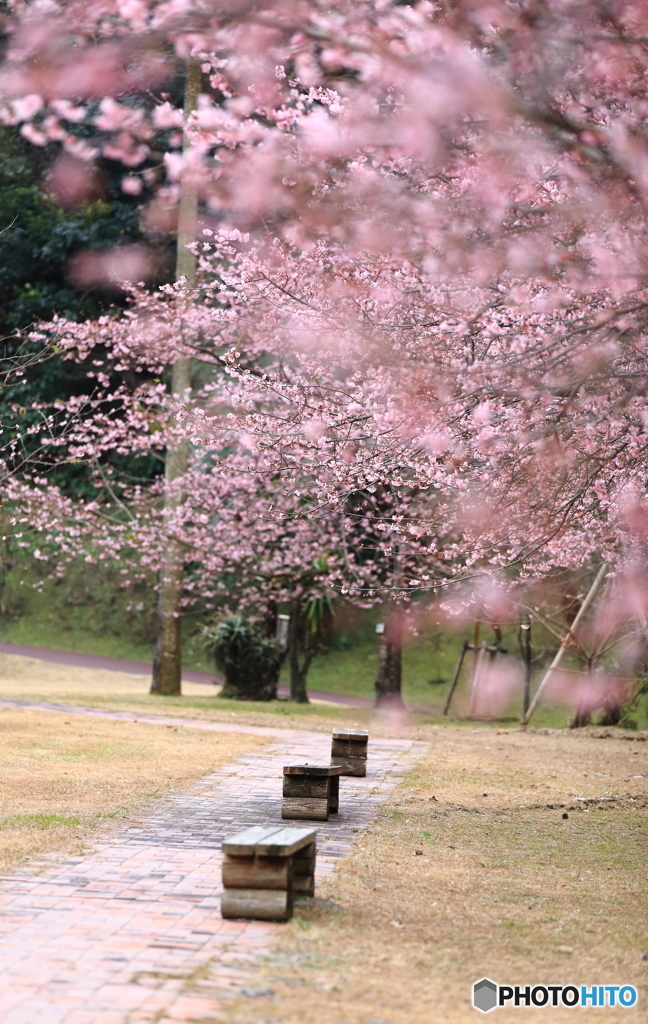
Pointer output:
133, 932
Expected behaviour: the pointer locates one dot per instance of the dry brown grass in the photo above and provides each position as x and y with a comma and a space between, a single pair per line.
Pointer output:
63, 777
502, 888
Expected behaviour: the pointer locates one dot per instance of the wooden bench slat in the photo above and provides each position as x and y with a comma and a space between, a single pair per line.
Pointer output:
243, 844
286, 841
351, 735
312, 769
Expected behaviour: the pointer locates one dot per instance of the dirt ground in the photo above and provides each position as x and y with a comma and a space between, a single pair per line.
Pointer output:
473, 871
63, 778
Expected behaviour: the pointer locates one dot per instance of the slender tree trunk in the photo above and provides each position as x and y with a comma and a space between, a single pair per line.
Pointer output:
525, 644
582, 716
455, 678
389, 679
474, 684
298, 669
167, 665
5, 566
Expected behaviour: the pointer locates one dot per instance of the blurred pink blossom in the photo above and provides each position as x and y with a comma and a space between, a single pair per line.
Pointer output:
496, 686
586, 692
131, 185
73, 181
125, 264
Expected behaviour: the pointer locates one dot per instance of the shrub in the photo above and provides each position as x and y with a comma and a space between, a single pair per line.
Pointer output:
249, 660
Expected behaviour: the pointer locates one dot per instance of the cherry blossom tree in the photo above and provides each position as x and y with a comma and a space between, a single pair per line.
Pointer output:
427, 263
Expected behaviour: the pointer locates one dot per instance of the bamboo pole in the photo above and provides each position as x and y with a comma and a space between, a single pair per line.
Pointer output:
567, 641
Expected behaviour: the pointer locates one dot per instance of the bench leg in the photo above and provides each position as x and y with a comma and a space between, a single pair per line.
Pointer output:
304, 871
356, 766
297, 808
258, 904
306, 798
257, 888
334, 793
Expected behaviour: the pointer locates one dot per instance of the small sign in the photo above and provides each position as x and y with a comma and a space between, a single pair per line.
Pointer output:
380, 627
283, 621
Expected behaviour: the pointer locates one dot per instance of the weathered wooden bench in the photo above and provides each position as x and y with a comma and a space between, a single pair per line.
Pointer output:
311, 791
263, 868
349, 749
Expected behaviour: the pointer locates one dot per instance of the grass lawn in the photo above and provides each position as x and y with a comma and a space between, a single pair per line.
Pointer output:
40, 632
351, 671
86, 614
31, 679
502, 886
63, 777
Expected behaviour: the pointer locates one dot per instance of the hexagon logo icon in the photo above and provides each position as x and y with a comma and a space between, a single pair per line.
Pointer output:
484, 995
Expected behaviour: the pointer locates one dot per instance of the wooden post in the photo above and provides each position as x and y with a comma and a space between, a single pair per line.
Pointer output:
567, 641
455, 679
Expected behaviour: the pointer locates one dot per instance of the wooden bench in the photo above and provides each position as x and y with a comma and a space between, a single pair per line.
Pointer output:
311, 791
263, 868
349, 749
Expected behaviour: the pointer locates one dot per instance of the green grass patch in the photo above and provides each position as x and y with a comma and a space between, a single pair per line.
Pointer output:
41, 820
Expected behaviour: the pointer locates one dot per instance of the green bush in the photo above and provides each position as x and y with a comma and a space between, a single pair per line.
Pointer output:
249, 660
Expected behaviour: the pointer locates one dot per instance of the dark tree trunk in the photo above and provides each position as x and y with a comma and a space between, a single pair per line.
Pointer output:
271, 680
270, 619
527, 655
298, 660
390, 651
5, 566
582, 716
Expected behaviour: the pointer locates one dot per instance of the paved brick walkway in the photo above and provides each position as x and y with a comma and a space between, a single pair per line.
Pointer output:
133, 932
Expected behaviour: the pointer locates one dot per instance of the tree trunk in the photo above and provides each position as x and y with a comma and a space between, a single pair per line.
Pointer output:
270, 619
167, 665
527, 657
389, 678
5, 566
298, 669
